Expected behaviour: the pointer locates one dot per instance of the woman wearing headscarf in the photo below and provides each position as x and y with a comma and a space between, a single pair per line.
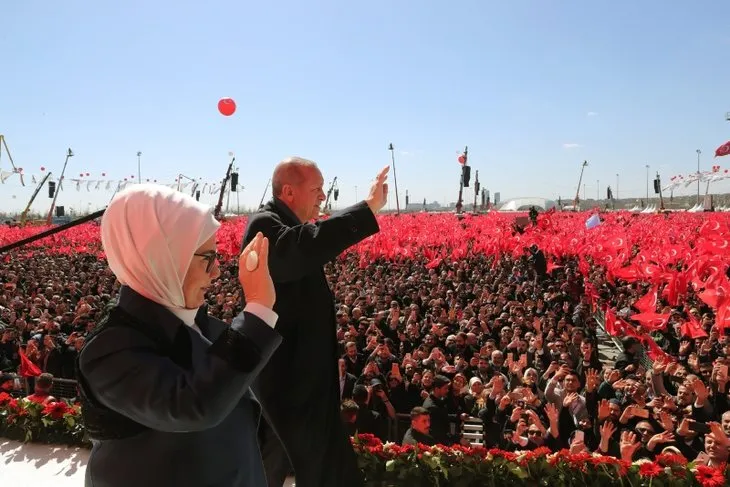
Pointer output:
165, 387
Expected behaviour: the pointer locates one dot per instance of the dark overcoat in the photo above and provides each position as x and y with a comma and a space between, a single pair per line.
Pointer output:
299, 387
202, 419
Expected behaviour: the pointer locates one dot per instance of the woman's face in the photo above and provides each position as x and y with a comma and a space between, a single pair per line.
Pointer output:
198, 279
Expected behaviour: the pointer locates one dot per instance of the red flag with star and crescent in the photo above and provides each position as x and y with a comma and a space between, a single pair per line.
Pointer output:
723, 150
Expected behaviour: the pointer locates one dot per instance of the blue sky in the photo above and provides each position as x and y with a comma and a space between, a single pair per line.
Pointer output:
532, 87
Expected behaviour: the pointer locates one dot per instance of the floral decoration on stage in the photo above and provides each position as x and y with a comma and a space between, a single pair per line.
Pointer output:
389, 464
57, 422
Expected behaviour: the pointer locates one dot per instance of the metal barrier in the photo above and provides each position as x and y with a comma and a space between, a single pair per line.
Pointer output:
64, 389
60, 389
644, 359
472, 429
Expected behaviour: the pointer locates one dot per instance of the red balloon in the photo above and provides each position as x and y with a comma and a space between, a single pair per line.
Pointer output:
87, 173
227, 106
132, 176
43, 168
103, 174
462, 159
81, 175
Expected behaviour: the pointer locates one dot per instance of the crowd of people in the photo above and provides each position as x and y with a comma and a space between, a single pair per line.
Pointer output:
501, 340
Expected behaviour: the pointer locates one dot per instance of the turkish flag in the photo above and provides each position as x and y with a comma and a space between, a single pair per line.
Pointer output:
723, 150
692, 328
647, 303
28, 368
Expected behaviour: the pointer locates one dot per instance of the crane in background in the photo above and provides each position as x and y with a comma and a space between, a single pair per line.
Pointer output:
24, 215
327, 204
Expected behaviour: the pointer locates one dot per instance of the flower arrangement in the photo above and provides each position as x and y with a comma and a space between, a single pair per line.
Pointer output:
388, 464
26, 419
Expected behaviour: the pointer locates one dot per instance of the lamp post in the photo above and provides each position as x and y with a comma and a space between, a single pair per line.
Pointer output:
395, 179
598, 192
698, 175
139, 167
647, 184
616, 197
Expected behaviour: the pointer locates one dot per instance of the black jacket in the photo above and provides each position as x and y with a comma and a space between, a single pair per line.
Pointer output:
299, 387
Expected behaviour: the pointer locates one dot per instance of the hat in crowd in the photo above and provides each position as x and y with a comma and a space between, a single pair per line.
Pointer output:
376, 382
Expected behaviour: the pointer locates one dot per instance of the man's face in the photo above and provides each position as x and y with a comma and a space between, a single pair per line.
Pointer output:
422, 423
572, 384
305, 198
726, 422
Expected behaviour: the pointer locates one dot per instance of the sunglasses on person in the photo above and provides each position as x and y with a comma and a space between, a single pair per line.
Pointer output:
210, 257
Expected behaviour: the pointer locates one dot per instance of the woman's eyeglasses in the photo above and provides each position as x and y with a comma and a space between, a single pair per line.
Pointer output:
210, 258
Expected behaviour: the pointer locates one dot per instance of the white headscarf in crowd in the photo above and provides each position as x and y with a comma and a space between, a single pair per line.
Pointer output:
150, 233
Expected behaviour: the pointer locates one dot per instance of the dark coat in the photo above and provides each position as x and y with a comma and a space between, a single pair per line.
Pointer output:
299, 387
202, 421
350, 381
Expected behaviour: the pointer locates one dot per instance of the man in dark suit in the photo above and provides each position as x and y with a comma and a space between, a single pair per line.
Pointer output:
299, 388
347, 381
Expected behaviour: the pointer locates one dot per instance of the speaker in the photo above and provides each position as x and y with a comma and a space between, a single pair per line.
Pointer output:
60, 211
406, 199
197, 195
476, 187
466, 175
656, 185
51, 188
337, 194
234, 181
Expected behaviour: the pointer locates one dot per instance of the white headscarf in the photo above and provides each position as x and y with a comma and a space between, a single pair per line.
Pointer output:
150, 233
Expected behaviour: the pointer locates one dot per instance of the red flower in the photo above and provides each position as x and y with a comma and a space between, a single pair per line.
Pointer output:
35, 399
710, 476
670, 459
369, 440
4, 398
650, 469
55, 410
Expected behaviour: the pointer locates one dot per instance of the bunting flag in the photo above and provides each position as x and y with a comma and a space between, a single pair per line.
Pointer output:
90, 182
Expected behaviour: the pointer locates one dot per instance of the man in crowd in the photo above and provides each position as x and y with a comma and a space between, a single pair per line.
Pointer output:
419, 432
306, 416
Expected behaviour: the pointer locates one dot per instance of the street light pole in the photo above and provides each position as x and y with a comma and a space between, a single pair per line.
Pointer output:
139, 167
598, 190
698, 175
647, 184
395, 179
616, 197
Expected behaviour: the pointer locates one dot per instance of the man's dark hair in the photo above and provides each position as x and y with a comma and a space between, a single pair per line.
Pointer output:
349, 406
440, 381
419, 411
